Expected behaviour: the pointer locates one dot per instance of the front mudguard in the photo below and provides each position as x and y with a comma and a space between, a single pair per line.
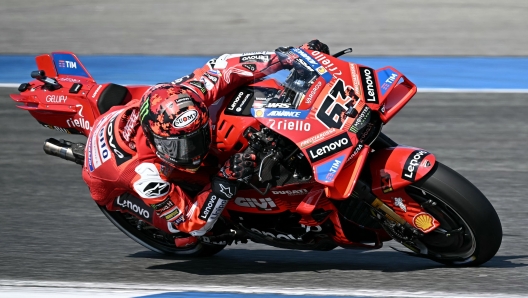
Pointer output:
392, 170
395, 168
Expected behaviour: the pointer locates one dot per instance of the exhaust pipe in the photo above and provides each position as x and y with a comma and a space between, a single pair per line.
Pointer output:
65, 150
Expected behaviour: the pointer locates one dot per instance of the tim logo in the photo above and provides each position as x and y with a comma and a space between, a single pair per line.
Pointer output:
67, 64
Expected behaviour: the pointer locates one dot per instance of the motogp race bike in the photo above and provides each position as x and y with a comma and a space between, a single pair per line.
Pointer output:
327, 176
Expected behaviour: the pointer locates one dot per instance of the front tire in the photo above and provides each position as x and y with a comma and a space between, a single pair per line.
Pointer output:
470, 231
157, 240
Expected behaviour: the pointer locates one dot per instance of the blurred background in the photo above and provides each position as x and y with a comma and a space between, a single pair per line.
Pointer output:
213, 27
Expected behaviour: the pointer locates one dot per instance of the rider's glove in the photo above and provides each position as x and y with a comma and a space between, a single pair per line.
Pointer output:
239, 167
285, 57
316, 45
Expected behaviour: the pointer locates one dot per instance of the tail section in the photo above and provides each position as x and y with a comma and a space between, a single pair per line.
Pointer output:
62, 64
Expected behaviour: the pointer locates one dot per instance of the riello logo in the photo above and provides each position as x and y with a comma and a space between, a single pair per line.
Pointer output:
330, 147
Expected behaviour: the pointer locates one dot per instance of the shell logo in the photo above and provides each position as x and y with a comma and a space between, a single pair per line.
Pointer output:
425, 222
259, 113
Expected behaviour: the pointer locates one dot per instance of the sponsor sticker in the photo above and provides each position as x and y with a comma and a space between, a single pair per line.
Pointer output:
135, 206
329, 147
262, 204
254, 58
198, 85
361, 120
317, 138
368, 81
388, 77
280, 113
208, 207
327, 171
250, 67
67, 64
291, 125
56, 98
185, 119
411, 165
425, 222
399, 203
386, 182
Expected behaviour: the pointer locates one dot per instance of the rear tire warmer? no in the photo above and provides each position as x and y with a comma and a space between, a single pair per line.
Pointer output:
119, 220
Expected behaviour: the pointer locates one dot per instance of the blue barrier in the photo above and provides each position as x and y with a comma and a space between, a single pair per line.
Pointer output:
425, 72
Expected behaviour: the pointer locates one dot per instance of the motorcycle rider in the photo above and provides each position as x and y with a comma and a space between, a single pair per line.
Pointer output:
157, 146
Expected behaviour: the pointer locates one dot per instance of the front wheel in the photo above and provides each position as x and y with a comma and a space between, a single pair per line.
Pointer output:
155, 239
470, 231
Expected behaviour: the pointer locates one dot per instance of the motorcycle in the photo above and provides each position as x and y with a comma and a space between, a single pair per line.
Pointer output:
327, 175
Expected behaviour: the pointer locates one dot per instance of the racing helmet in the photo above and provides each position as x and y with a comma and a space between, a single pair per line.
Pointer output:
176, 124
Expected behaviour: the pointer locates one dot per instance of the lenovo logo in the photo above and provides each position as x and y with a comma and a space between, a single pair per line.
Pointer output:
327, 148
369, 84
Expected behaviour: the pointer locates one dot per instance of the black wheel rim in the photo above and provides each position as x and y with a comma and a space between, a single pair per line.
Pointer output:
453, 240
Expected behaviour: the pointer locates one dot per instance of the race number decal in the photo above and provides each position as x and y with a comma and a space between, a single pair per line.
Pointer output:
332, 111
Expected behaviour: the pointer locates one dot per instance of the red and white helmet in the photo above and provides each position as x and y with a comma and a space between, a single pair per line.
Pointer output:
176, 123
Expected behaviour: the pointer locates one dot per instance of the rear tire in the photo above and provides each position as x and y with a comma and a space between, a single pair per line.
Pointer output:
459, 206
155, 239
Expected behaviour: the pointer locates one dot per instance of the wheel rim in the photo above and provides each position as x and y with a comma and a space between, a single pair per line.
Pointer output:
459, 245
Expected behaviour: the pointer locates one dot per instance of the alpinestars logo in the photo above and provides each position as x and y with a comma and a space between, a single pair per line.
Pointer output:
154, 189
226, 191
327, 148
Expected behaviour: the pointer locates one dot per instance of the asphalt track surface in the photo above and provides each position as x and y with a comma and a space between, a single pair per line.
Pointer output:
213, 27
51, 230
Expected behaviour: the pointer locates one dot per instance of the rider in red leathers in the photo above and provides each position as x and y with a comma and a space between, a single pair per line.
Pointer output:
147, 152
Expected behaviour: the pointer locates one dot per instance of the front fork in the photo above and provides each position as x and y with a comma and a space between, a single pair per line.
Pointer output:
392, 169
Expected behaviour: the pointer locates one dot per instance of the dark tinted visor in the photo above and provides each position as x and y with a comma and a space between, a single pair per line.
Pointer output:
184, 151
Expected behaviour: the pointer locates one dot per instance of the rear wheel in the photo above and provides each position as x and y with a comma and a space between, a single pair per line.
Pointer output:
470, 231
155, 239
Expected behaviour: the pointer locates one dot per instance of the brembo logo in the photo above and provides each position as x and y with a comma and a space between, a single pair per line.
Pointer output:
129, 204
329, 147
411, 165
369, 84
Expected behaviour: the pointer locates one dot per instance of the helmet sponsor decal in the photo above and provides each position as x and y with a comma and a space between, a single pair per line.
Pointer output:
185, 119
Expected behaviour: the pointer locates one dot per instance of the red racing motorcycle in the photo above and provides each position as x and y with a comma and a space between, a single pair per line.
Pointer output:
327, 176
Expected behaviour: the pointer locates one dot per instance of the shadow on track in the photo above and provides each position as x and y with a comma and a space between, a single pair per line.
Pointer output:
239, 261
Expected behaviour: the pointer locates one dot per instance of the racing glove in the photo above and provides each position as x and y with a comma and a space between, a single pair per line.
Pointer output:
238, 168
316, 45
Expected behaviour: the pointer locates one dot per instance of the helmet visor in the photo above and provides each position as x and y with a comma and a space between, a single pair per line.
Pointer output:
184, 151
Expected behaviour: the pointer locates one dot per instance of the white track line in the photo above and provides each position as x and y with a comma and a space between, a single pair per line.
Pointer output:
47, 289
420, 90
